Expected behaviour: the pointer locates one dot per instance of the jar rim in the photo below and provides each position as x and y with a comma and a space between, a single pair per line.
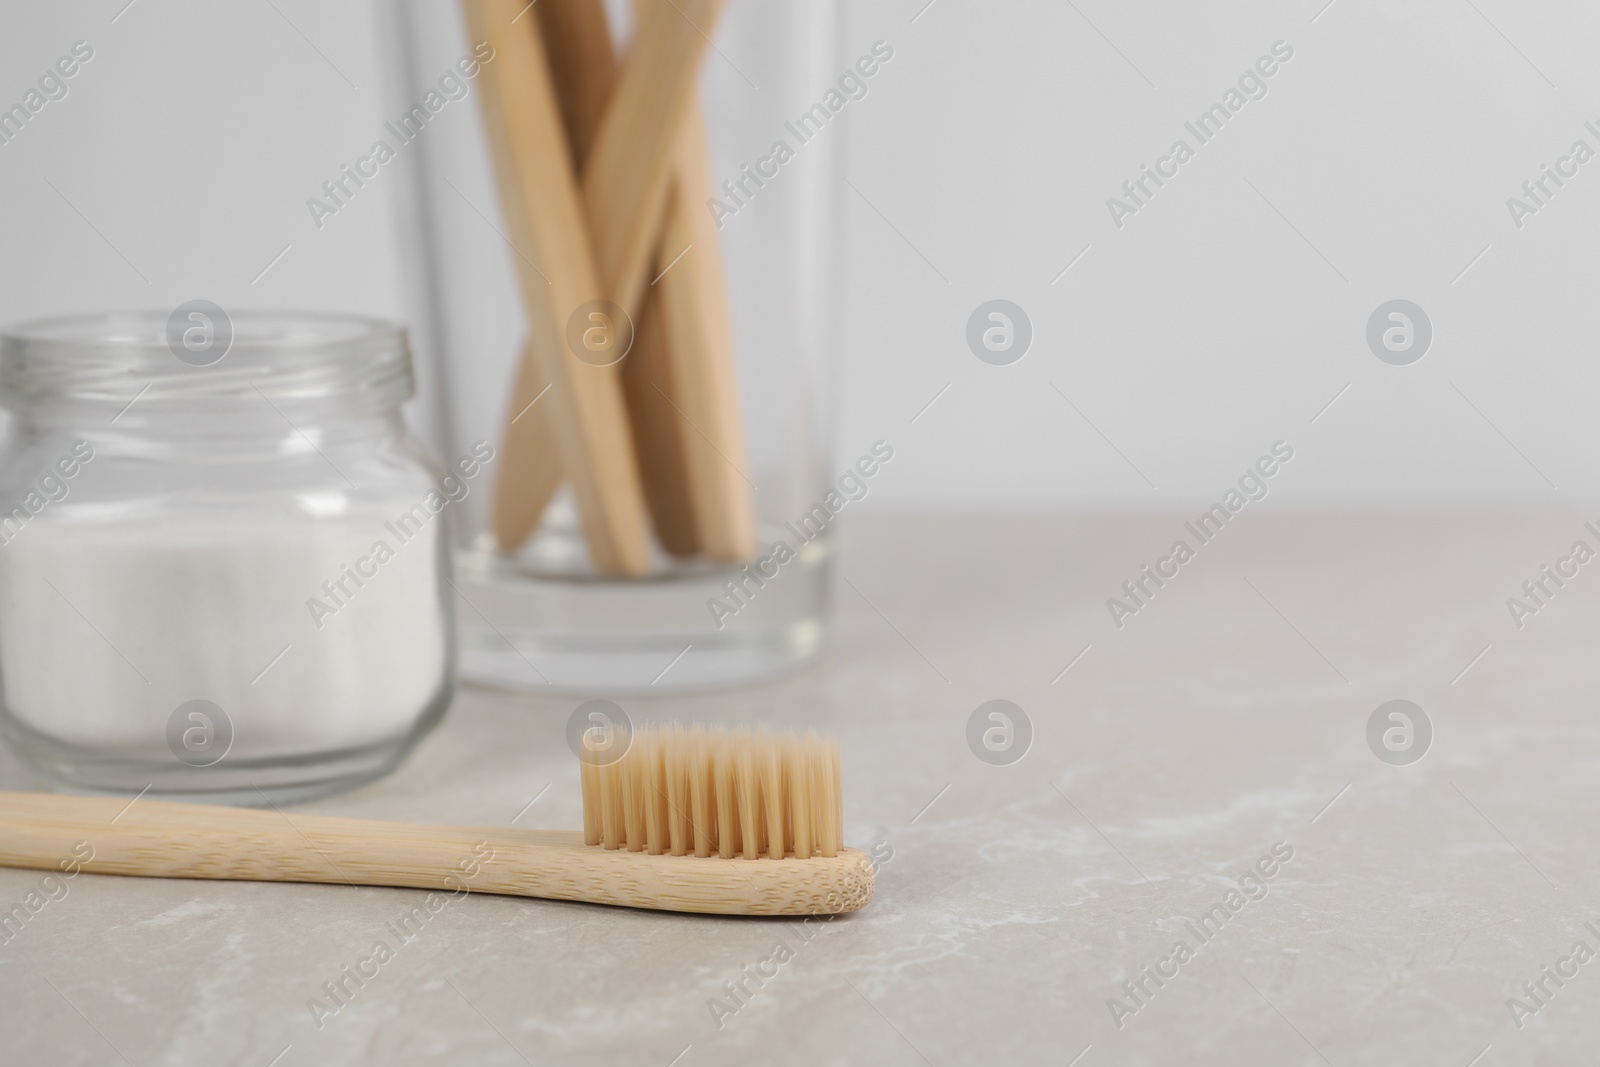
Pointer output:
293, 355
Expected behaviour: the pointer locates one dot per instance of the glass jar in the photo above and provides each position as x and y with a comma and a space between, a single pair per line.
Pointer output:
541, 616
224, 565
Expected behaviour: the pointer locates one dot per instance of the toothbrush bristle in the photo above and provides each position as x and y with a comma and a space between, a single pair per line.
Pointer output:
708, 791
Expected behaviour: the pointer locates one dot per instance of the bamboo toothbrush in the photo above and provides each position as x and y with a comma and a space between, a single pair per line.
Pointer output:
692, 820
583, 65
625, 179
704, 387
532, 462
624, 191
659, 435
681, 372
541, 207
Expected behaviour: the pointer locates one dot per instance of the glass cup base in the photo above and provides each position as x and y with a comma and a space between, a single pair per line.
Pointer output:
703, 627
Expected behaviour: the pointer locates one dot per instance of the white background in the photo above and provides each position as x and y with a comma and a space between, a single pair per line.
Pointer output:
1223, 317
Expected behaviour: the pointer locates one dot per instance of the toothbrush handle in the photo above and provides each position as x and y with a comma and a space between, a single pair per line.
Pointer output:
152, 838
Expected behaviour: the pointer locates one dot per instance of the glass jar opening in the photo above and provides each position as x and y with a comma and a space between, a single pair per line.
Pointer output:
201, 353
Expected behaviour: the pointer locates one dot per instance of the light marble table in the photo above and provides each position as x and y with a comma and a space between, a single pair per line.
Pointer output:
1013, 901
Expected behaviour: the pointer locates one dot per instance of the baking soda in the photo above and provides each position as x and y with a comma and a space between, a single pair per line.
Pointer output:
108, 626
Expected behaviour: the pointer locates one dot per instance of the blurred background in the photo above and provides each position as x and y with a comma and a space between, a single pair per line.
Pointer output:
1168, 351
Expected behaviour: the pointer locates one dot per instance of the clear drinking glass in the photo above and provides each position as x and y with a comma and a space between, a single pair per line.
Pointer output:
224, 561
542, 616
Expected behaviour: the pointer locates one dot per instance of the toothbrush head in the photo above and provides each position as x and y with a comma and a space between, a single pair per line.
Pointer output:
712, 791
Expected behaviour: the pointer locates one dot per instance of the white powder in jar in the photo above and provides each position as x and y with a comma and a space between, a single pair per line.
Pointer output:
107, 626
